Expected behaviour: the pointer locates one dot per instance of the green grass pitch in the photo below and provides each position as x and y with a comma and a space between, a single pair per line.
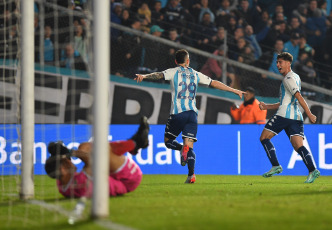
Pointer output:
165, 202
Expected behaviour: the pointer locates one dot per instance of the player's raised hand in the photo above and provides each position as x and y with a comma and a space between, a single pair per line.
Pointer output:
139, 77
262, 105
240, 93
312, 118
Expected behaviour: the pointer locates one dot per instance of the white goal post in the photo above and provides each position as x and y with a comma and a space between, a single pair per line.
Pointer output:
27, 98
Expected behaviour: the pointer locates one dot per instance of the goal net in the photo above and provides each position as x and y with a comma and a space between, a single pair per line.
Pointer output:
63, 97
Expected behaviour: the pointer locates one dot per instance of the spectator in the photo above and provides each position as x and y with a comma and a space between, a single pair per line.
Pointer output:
292, 46
249, 111
116, 12
305, 48
81, 43
71, 59
175, 16
205, 9
128, 4
213, 68
279, 13
205, 30
304, 67
151, 59
251, 38
216, 40
312, 8
280, 17
322, 5
316, 28
156, 15
231, 25
48, 46
277, 31
125, 18
144, 12
245, 12
295, 25
128, 52
263, 22
223, 13
233, 43
269, 56
301, 12
246, 54
174, 37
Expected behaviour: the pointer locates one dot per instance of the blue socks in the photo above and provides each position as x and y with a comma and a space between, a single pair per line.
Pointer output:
173, 144
270, 151
191, 158
307, 158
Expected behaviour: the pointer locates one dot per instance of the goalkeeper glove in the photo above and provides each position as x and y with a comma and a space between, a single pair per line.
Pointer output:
58, 148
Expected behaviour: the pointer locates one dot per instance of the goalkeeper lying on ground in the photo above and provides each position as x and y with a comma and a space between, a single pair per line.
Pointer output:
125, 175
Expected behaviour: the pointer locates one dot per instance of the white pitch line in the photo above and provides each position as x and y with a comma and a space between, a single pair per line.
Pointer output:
51, 207
111, 225
103, 223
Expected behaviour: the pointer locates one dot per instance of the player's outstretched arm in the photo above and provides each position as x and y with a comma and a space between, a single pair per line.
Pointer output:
305, 106
264, 106
152, 76
222, 86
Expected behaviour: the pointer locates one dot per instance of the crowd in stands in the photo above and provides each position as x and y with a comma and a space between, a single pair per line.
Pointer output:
257, 30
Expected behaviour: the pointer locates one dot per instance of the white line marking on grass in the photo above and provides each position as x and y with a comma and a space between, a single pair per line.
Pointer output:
110, 225
103, 223
51, 207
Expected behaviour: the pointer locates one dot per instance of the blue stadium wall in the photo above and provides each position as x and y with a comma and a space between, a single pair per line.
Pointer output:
220, 150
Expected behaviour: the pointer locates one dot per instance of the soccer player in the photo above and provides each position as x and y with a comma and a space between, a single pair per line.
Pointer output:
124, 176
288, 118
183, 114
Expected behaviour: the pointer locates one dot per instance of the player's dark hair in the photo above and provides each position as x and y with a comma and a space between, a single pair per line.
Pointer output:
251, 90
52, 166
181, 55
285, 56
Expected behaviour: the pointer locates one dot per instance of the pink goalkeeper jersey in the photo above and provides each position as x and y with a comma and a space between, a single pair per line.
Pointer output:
124, 180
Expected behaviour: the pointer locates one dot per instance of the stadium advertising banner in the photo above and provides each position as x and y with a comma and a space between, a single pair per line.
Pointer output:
220, 149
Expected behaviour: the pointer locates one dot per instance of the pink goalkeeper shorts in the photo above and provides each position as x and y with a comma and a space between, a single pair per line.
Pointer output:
124, 180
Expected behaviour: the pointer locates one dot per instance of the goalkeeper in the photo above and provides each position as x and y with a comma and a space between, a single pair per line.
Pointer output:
124, 176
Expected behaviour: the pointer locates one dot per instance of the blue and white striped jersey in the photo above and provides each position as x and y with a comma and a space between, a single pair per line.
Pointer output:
288, 103
184, 82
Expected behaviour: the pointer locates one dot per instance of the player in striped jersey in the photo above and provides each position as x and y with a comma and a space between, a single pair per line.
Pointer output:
288, 118
183, 115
